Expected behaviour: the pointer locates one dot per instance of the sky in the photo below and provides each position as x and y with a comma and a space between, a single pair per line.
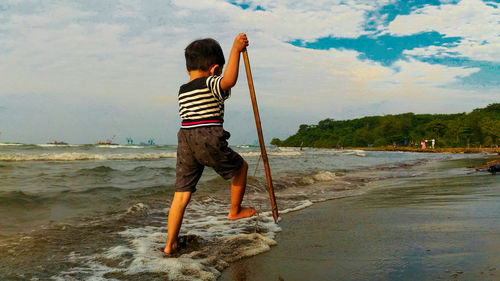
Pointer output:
88, 70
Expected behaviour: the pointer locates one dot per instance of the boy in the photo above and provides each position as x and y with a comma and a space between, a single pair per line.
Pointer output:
201, 140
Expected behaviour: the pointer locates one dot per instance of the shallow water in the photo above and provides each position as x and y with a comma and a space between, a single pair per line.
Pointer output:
99, 212
441, 225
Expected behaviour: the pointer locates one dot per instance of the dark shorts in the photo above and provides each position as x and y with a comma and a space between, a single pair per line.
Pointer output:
200, 147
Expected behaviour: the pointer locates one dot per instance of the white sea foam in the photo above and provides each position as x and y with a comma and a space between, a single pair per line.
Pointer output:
79, 156
324, 176
361, 153
225, 241
271, 153
318, 177
295, 151
222, 240
119, 146
302, 205
57, 145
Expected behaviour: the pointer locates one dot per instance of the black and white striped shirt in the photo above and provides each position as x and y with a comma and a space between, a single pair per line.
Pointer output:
201, 102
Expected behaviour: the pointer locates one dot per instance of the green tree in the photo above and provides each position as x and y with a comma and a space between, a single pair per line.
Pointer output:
437, 127
490, 128
466, 134
276, 141
481, 126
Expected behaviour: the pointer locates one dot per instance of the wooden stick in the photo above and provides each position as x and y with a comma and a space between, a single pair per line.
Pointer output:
261, 137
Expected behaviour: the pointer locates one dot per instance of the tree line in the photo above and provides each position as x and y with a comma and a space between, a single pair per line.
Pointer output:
481, 127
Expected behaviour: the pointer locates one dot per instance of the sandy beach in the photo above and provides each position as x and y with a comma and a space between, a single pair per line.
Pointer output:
414, 229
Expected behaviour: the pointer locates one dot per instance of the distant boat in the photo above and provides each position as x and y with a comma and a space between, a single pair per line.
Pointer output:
58, 143
107, 142
150, 142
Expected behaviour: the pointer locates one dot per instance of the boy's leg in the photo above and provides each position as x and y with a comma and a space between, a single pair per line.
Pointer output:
238, 186
175, 215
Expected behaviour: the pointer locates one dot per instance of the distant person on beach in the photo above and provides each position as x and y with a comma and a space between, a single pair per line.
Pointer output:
202, 140
423, 144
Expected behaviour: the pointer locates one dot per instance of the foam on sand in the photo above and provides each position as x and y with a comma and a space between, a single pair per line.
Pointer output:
142, 254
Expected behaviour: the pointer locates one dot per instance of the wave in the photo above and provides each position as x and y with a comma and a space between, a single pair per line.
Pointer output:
84, 145
5, 167
77, 156
295, 151
9, 198
80, 156
318, 177
361, 153
96, 171
142, 170
118, 146
98, 190
11, 144
271, 153
59, 145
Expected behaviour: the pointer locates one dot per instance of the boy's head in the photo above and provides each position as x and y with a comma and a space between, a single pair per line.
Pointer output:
203, 54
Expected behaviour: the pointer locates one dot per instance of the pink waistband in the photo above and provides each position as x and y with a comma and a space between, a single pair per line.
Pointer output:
200, 122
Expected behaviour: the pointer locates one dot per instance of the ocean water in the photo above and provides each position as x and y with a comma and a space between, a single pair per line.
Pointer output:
90, 212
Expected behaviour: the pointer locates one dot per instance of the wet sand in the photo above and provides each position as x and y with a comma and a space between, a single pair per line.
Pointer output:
422, 230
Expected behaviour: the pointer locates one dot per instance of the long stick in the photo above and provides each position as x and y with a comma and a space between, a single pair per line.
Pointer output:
261, 137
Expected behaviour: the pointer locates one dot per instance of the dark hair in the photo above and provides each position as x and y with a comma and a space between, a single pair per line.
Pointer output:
203, 53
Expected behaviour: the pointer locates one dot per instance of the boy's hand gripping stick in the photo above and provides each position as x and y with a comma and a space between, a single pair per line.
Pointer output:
261, 137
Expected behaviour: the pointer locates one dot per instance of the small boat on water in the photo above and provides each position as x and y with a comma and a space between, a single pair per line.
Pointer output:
150, 142
107, 142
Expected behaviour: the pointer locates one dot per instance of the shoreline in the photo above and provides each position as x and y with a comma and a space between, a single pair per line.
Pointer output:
431, 150
442, 231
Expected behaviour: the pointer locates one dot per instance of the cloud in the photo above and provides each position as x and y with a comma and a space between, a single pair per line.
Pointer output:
287, 20
329, 82
85, 58
473, 20
127, 57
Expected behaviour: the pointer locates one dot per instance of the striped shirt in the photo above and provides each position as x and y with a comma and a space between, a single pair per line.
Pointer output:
201, 102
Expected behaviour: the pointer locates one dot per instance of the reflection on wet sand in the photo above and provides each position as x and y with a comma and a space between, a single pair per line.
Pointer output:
442, 225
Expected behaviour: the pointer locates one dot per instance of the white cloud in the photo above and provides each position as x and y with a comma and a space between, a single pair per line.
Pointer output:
129, 54
63, 50
473, 20
329, 83
288, 20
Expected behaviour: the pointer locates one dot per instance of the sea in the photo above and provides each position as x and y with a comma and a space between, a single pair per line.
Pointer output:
99, 212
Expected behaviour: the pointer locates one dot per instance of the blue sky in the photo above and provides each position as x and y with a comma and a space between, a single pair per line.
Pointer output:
82, 71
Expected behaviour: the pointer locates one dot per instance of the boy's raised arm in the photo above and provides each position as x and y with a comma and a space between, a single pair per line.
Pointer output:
231, 73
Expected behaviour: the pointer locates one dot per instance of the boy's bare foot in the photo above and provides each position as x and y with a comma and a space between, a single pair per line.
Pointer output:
177, 246
170, 250
243, 213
